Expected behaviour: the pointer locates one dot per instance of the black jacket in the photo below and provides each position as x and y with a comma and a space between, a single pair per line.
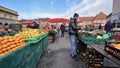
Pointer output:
62, 27
73, 28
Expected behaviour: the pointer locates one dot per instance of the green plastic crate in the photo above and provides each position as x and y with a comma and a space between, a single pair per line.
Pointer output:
92, 40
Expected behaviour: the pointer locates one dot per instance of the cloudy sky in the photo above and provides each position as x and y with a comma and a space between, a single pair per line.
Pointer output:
30, 9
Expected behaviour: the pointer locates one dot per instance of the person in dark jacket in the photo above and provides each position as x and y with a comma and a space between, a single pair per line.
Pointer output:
108, 27
35, 26
73, 31
6, 26
62, 28
100, 26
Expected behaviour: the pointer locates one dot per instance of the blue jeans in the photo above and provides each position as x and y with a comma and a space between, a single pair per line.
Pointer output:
62, 33
73, 45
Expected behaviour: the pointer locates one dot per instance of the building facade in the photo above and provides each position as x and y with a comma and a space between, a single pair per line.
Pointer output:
98, 19
8, 16
116, 10
109, 17
86, 20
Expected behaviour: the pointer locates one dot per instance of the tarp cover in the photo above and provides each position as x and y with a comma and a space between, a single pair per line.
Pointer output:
26, 56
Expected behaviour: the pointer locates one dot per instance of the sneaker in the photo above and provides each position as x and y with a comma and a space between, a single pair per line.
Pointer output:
74, 56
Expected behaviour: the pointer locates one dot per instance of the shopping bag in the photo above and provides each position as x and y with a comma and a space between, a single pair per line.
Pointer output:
106, 36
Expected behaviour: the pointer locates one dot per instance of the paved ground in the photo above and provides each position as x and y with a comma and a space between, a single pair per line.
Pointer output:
58, 56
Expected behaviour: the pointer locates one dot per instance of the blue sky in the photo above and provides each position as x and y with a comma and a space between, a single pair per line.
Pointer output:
30, 9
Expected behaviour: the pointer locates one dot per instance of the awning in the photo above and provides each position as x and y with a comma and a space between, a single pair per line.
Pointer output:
90, 24
58, 20
26, 22
97, 23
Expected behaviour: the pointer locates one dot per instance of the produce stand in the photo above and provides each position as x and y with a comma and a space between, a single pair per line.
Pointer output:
92, 52
100, 49
12, 33
26, 56
114, 32
15, 27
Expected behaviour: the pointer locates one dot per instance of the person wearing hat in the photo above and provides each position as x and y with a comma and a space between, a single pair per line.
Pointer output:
73, 30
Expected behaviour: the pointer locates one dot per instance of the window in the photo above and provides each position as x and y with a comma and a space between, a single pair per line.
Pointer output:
10, 17
5, 15
102, 20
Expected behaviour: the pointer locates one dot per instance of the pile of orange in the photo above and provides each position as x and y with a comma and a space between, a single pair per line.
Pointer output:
10, 43
117, 46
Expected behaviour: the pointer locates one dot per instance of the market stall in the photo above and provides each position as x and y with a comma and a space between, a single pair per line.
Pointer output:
93, 49
55, 24
24, 49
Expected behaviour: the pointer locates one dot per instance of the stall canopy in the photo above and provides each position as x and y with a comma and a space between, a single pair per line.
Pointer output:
97, 23
57, 20
90, 24
26, 22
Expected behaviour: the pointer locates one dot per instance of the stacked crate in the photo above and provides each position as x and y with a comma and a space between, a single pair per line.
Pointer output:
95, 59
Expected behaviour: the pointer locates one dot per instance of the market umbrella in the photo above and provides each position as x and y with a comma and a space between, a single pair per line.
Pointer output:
26, 22
57, 20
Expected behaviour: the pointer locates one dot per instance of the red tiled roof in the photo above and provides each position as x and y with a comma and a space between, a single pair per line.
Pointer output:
101, 15
43, 19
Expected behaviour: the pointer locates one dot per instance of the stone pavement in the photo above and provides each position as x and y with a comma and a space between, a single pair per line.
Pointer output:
58, 56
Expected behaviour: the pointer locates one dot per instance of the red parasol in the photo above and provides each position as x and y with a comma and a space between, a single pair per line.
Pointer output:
26, 22
58, 20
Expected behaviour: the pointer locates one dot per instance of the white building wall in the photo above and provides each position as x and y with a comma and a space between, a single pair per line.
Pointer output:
108, 19
116, 10
116, 6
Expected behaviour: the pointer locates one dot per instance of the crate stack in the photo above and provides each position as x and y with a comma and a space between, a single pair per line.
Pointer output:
90, 63
98, 60
84, 57
95, 59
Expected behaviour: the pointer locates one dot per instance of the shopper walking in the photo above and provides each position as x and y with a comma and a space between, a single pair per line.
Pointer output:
46, 27
73, 30
62, 28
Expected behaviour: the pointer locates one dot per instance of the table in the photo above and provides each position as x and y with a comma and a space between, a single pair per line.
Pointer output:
100, 49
